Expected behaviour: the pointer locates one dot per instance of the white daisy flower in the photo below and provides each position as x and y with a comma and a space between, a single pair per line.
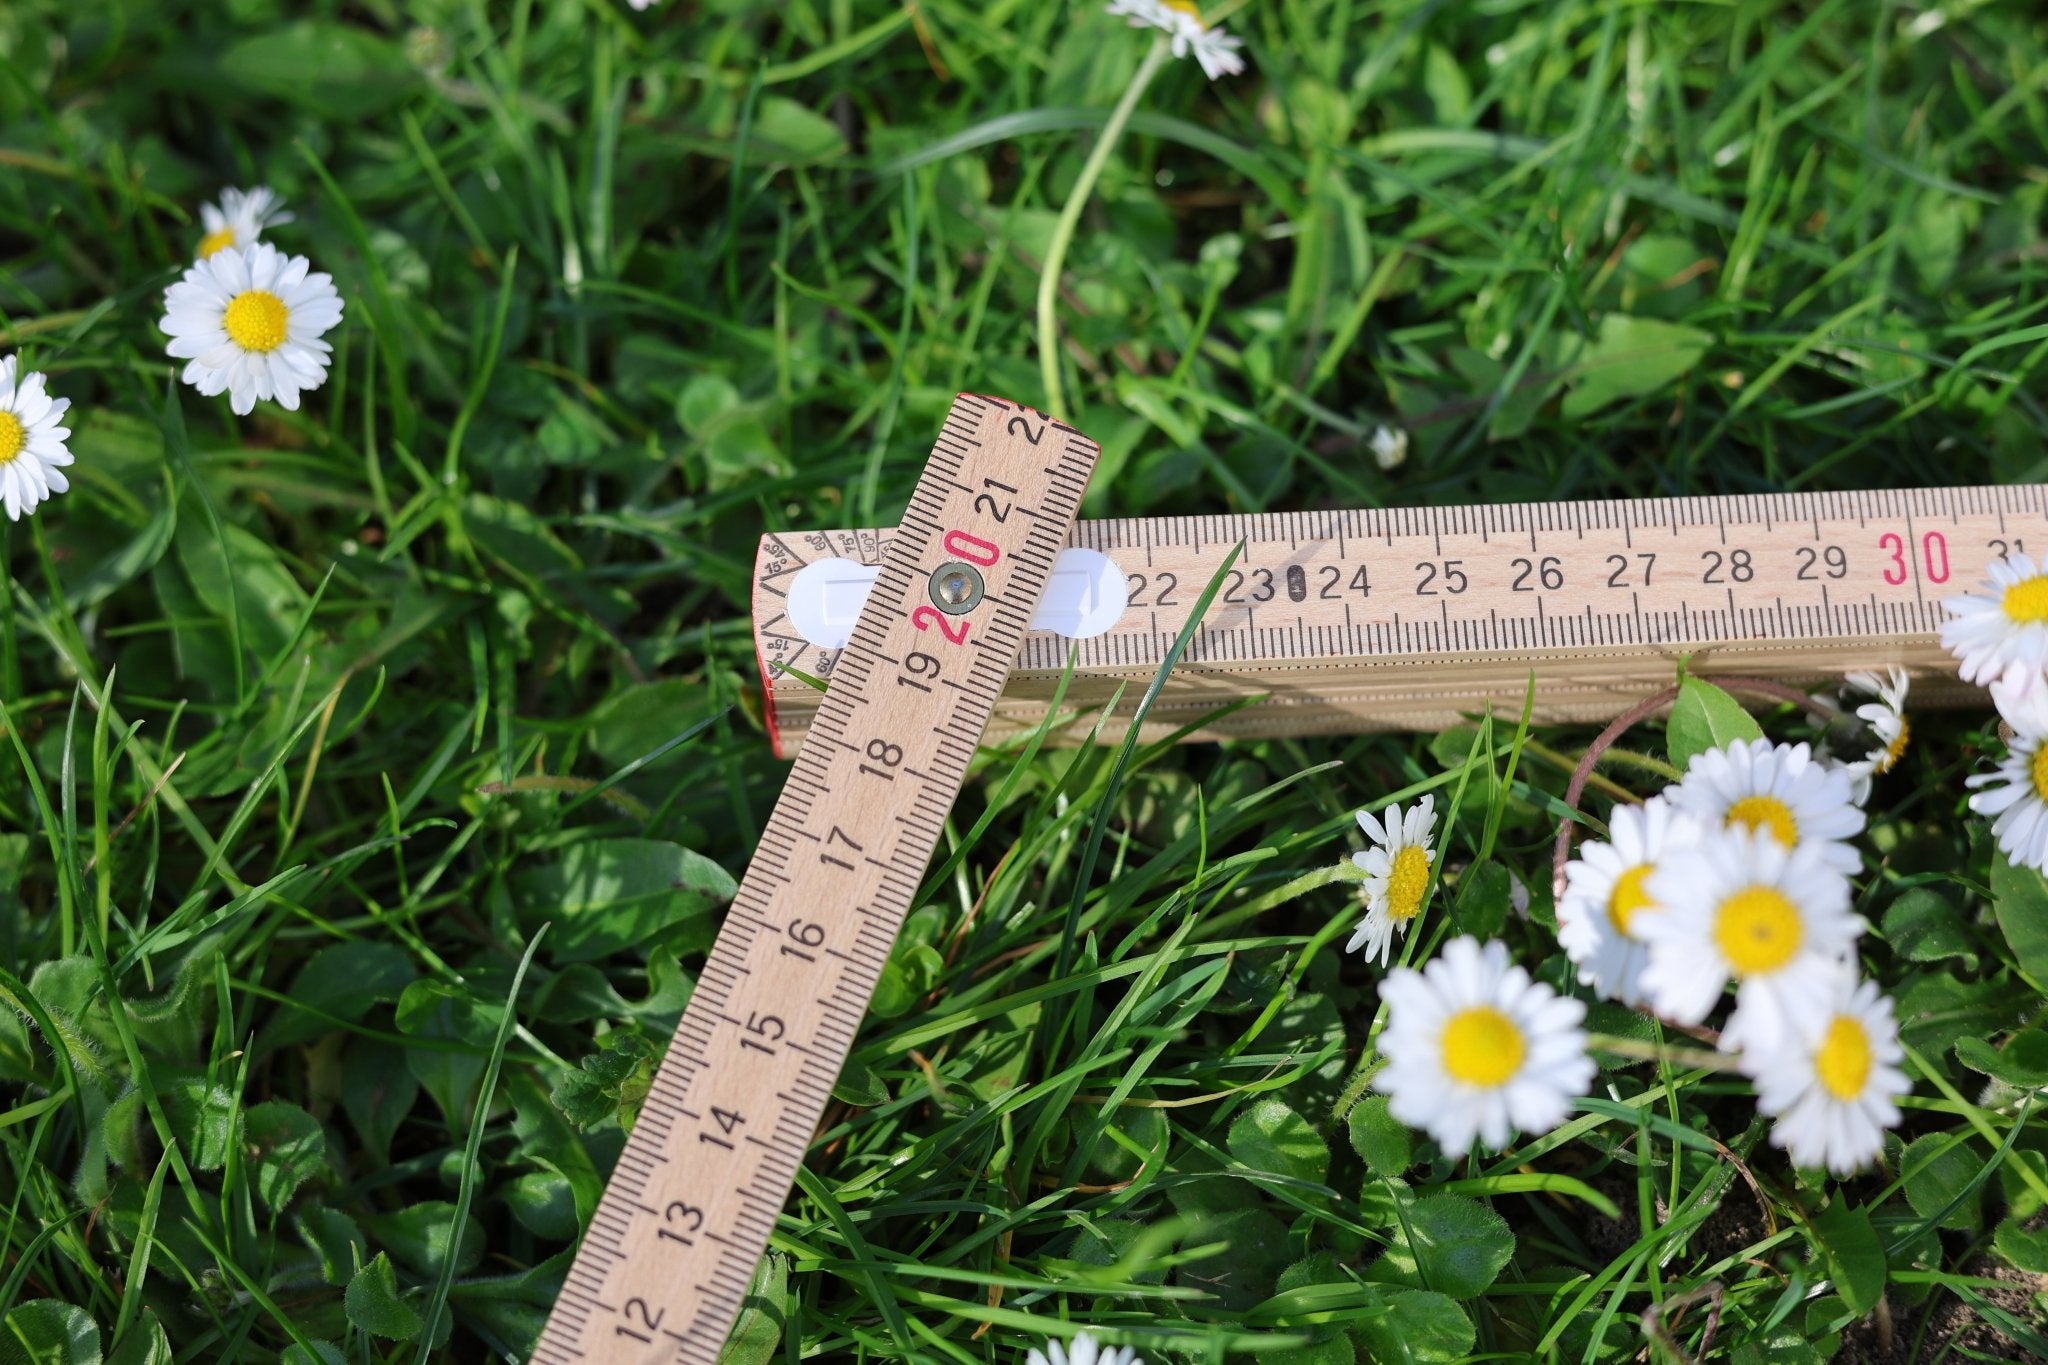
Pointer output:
1606, 890
1887, 720
1474, 1047
32, 449
249, 320
1389, 446
1740, 904
1779, 789
240, 219
1084, 1351
2017, 794
1396, 871
1215, 50
2006, 624
1832, 1083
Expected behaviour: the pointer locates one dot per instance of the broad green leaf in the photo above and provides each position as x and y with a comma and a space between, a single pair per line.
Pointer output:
323, 1353
1936, 1009
544, 1204
418, 1235
2021, 1061
911, 972
200, 1117
1255, 1253
1853, 1253
145, 1344
1140, 1126
1630, 357
785, 130
1383, 1142
342, 980
1704, 717
373, 1303
48, 1332
377, 1089
2023, 1250
859, 1085
334, 1238
611, 1082
1420, 1327
1484, 895
1923, 926
608, 895
763, 1315
1331, 1347
1933, 1181
284, 1145
2020, 896
1447, 1243
1271, 1137
332, 70
639, 720
434, 1010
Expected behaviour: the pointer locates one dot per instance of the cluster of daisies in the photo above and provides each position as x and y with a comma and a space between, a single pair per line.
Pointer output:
246, 318
1736, 876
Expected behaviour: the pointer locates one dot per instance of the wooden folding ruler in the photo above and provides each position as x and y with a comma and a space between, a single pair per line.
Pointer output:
1414, 618
683, 1222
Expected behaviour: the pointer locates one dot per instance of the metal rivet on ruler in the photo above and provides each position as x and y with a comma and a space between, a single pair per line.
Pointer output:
956, 588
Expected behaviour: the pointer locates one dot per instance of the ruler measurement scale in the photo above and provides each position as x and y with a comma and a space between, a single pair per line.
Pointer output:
1410, 617
687, 1213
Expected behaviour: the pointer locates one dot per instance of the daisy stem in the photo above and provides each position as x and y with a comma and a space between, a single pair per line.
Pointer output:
1070, 218
1643, 1051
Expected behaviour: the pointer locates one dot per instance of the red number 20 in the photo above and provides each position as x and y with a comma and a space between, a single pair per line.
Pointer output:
924, 618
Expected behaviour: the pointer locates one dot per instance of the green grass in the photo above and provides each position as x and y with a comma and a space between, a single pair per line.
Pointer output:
314, 719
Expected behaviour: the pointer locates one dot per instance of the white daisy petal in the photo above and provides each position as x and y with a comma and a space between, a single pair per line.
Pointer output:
1777, 788
1475, 1049
1606, 888
2016, 795
31, 443
2003, 625
250, 319
1397, 876
1213, 49
1740, 906
1886, 719
1831, 1077
239, 220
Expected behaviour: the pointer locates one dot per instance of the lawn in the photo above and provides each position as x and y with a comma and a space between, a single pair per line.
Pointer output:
314, 718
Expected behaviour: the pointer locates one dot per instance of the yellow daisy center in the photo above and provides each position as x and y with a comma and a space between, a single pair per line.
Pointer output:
2027, 600
2037, 769
1767, 813
1483, 1047
1758, 930
217, 240
1895, 750
1406, 883
255, 320
1843, 1062
1183, 7
1628, 897
13, 436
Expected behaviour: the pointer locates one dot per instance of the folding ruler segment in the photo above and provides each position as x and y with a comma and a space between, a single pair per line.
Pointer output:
684, 1220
